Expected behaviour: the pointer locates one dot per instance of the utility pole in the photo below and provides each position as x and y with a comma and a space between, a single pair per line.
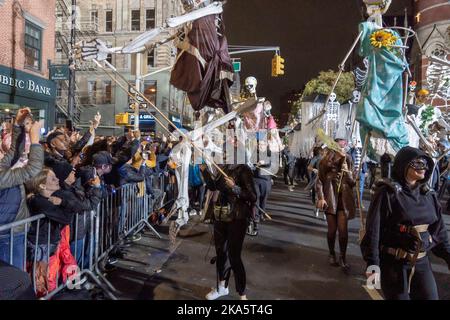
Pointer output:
138, 88
72, 79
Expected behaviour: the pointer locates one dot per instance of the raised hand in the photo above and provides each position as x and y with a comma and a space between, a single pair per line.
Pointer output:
21, 115
35, 132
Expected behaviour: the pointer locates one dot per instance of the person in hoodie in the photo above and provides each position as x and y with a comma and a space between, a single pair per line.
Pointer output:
87, 200
404, 224
233, 207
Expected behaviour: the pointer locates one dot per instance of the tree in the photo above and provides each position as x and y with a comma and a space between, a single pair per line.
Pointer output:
324, 82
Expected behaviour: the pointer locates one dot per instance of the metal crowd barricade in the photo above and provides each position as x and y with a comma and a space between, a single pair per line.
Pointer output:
40, 257
94, 235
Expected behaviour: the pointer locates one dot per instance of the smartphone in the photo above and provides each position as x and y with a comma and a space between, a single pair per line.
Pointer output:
69, 125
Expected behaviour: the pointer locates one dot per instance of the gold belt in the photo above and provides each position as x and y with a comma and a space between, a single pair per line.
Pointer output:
402, 254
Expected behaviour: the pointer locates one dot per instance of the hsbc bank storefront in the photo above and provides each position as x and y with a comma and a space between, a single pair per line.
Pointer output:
18, 89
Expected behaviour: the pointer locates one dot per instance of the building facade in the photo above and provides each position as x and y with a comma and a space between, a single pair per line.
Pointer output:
432, 24
27, 41
117, 22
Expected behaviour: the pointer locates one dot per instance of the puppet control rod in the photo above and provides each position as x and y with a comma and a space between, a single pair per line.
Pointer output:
162, 114
159, 111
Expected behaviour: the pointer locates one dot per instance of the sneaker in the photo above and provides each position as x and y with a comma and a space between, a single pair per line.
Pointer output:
291, 188
214, 294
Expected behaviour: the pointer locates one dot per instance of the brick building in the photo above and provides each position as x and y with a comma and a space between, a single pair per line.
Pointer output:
118, 22
27, 39
432, 24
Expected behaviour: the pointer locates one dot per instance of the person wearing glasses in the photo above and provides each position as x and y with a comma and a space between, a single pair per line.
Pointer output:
403, 225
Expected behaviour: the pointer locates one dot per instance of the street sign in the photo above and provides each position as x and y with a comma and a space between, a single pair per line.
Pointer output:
237, 66
138, 97
59, 72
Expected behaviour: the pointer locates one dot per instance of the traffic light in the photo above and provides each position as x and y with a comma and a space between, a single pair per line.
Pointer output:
277, 66
274, 67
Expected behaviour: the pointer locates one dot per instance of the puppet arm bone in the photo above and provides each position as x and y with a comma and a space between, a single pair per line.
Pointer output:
213, 8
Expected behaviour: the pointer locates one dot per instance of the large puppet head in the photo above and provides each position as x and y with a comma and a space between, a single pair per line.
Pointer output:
190, 5
376, 9
250, 85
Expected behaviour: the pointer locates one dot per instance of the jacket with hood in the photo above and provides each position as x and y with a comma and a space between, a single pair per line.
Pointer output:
13, 205
395, 203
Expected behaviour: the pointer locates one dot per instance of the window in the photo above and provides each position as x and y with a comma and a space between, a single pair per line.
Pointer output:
94, 16
108, 92
92, 91
33, 45
135, 20
151, 59
109, 21
150, 19
150, 90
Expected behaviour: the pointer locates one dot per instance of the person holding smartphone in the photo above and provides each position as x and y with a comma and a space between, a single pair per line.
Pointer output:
12, 192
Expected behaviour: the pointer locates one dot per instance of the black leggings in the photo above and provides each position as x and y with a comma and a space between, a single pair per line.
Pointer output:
263, 188
395, 277
337, 222
228, 239
289, 175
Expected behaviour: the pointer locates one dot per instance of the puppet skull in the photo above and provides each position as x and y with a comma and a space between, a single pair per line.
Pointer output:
190, 5
356, 96
377, 7
332, 97
250, 85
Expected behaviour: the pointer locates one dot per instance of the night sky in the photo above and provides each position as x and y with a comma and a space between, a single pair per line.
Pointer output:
313, 35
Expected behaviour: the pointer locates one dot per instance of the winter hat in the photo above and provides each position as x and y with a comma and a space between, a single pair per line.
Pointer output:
62, 169
403, 159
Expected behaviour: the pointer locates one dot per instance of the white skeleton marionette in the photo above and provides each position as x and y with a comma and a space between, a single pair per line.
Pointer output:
195, 9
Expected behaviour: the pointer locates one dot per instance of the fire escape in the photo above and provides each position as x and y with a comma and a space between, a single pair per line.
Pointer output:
86, 30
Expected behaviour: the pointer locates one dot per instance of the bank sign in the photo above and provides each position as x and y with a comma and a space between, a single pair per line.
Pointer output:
21, 83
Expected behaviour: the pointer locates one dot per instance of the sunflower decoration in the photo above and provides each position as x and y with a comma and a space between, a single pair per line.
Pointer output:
382, 38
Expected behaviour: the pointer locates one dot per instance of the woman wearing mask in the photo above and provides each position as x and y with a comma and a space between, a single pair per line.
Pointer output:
404, 224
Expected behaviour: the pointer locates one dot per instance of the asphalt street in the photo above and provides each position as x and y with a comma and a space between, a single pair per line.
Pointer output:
287, 260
